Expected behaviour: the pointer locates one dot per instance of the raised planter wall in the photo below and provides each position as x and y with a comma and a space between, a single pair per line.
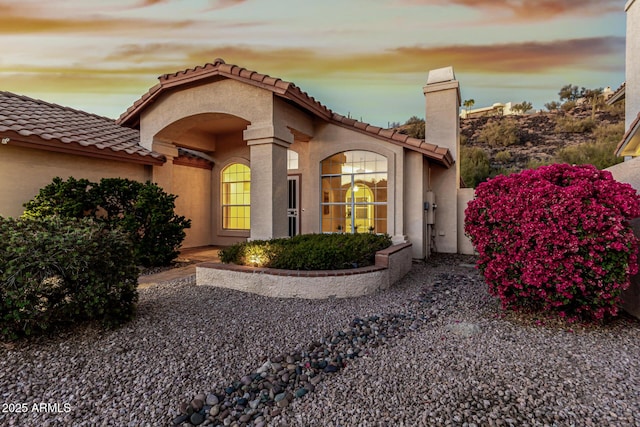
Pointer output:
391, 265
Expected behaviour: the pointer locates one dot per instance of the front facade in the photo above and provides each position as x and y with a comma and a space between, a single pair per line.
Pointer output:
283, 164
253, 157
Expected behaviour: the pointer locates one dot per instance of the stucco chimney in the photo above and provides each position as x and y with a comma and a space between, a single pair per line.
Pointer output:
442, 97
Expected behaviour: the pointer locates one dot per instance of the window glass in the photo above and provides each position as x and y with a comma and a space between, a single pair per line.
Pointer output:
236, 197
292, 160
354, 193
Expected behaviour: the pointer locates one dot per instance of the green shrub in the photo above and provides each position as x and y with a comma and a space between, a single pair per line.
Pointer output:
55, 271
600, 155
144, 211
609, 133
568, 124
474, 166
503, 156
499, 133
309, 251
568, 106
536, 163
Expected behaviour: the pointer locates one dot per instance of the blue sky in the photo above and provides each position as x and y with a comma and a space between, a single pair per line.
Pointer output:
367, 58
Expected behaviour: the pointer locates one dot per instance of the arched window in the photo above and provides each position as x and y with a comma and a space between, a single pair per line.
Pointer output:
292, 160
354, 193
236, 197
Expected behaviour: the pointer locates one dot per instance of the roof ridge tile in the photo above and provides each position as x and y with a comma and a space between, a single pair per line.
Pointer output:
285, 89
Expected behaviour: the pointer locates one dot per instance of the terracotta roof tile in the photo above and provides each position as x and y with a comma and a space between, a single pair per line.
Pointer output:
54, 127
400, 137
287, 90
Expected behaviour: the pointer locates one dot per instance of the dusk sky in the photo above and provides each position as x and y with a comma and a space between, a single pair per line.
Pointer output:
367, 58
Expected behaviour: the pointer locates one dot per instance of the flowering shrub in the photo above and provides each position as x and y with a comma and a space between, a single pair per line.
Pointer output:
556, 238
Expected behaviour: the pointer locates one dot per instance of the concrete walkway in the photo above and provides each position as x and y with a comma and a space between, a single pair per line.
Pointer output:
190, 257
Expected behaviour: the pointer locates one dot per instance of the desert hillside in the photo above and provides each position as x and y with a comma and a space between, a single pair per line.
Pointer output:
540, 137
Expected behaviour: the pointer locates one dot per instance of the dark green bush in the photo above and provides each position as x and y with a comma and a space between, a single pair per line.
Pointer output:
309, 251
474, 166
144, 211
55, 270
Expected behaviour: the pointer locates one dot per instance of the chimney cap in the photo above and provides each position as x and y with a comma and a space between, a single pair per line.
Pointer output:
441, 75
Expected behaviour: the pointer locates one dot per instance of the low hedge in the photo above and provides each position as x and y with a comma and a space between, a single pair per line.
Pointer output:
309, 251
55, 271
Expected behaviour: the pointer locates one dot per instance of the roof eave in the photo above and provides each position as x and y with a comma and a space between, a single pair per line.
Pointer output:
440, 155
15, 139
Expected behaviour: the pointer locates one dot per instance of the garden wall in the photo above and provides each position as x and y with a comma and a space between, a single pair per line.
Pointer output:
391, 265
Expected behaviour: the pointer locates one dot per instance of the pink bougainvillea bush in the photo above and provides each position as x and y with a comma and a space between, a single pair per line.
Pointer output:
557, 239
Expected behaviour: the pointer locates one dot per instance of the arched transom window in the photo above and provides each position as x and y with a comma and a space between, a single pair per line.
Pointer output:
292, 160
354, 193
236, 197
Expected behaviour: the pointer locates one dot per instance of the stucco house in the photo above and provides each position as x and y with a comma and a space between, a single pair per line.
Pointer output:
251, 157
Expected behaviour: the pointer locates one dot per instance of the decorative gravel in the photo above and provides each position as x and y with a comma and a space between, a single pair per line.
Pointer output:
435, 350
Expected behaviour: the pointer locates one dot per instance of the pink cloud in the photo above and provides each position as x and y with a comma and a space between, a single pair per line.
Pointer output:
528, 10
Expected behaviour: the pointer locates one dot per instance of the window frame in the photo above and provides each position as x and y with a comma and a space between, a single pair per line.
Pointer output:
223, 193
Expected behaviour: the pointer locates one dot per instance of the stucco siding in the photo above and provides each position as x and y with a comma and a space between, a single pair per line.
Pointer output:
24, 171
226, 96
331, 139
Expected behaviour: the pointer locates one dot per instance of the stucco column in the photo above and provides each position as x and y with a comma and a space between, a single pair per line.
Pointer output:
414, 194
163, 174
442, 97
268, 155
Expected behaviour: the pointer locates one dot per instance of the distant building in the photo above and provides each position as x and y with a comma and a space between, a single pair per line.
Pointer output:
497, 109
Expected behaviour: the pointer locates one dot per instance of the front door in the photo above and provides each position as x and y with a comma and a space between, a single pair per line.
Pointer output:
293, 209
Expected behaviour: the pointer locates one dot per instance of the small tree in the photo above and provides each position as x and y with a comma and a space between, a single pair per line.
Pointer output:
522, 108
595, 98
415, 127
468, 104
570, 93
552, 106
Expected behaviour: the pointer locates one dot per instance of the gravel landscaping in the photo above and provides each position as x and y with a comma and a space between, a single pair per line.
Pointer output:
438, 351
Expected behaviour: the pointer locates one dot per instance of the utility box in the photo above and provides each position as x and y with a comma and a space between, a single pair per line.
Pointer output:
430, 207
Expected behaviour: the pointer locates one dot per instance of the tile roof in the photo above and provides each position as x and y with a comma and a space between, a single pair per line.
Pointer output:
286, 90
193, 158
34, 123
